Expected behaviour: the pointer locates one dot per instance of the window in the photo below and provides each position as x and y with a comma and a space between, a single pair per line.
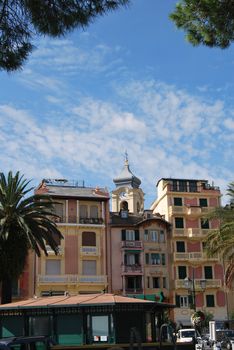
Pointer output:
94, 212
174, 185
146, 235
163, 259
182, 272
132, 235
203, 202
180, 246
179, 222
208, 272
53, 267
131, 259
134, 283
184, 301
162, 237
156, 282
155, 259
100, 328
83, 211
89, 267
178, 201
148, 282
182, 186
164, 282
58, 209
210, 302
154, 236
203, 246
89, 239
205, 224
192, 186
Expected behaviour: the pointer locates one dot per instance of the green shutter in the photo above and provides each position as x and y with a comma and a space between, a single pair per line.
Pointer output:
137, 235
177, 300
147, 258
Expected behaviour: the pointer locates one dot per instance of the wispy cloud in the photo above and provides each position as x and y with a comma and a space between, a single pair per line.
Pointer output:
83, 133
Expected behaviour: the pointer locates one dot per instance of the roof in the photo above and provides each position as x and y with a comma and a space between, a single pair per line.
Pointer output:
134, 220
127, 178
80, 299
65, 188
74, 300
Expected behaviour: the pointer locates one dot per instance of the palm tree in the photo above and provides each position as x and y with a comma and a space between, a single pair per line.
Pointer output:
221, 241
25, 223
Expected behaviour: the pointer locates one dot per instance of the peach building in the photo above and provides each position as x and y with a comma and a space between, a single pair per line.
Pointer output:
137, 244
81, 265
197, 281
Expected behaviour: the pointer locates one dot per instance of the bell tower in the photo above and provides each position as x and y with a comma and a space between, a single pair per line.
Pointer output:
127, 197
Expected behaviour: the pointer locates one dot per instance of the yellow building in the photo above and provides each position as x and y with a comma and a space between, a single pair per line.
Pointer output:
82, 216
197, 281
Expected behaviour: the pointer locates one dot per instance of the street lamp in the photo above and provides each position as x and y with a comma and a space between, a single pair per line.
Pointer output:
190, 286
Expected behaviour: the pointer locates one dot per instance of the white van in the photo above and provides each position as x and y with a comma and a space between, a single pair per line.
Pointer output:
186, 335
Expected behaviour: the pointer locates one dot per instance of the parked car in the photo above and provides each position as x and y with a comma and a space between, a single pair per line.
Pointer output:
186, 335
26, 343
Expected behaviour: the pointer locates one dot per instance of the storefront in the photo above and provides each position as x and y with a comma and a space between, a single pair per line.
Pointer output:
84, 319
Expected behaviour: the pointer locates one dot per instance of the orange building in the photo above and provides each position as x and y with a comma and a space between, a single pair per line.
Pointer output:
197, 281
80, 266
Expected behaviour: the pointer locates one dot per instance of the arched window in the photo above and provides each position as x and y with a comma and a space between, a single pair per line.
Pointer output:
124, 205
89, 239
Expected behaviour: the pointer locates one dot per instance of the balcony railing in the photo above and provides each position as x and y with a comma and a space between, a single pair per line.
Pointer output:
76, 220
71, 279
132, 269
174, 209
195, 257
190, 232
87, 250
131, 244
193, 210
210, 283
51, 252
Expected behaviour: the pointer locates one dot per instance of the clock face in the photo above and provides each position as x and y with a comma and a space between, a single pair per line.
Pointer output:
123, 194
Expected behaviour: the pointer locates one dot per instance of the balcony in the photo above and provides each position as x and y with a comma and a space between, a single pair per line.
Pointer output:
194, 257
51, 252
195, 233
210, 283
179, 232
193, 210
76, 220
174, 209
91, 251
132, 269
71, 279
132, 244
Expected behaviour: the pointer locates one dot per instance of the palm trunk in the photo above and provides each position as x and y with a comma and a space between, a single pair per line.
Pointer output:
6, 290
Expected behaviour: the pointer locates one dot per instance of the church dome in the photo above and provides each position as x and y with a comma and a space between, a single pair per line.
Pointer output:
127, 178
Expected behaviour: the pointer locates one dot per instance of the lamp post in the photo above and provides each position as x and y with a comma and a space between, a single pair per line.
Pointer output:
190, 286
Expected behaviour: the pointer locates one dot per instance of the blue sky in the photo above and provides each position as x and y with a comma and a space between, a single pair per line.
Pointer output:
130, 82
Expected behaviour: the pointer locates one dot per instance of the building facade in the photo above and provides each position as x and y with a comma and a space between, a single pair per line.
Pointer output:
82, 214
198, 280
138, 243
